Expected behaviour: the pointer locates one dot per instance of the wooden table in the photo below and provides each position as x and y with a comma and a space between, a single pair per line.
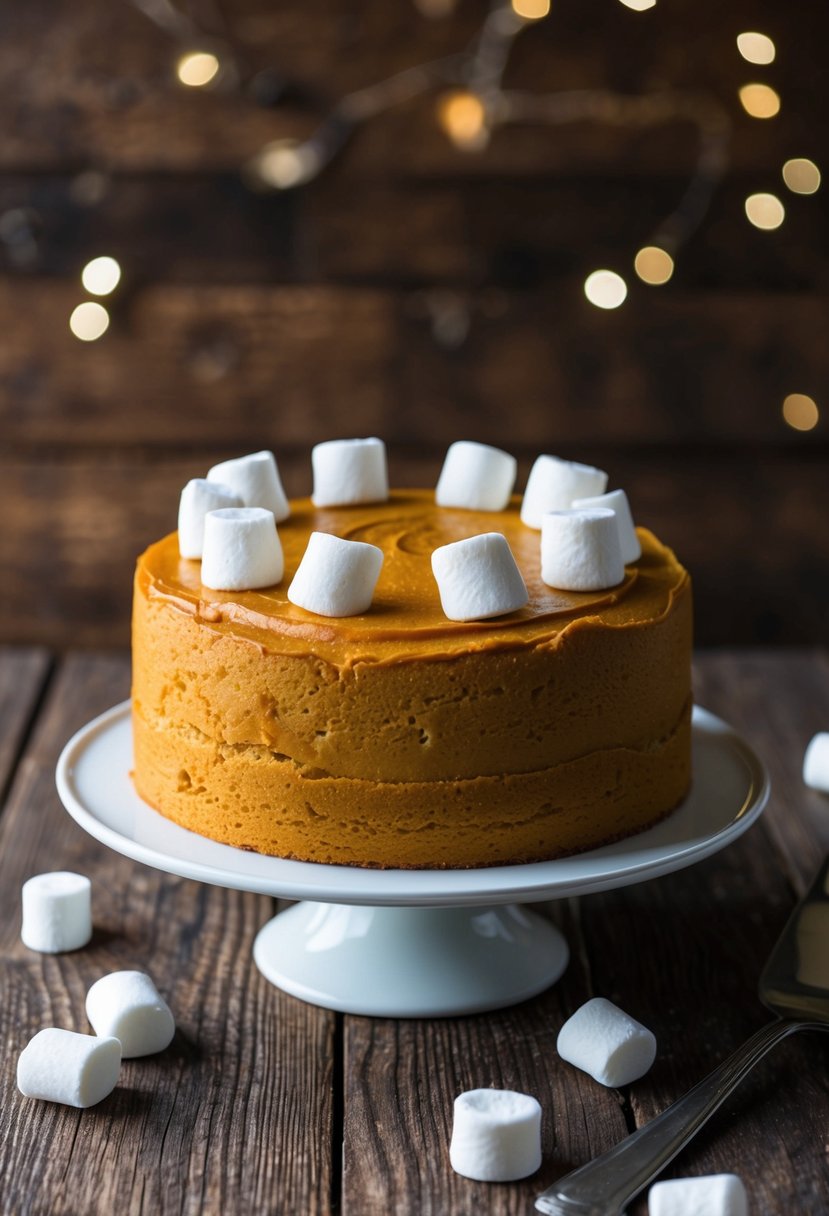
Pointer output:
266, 1105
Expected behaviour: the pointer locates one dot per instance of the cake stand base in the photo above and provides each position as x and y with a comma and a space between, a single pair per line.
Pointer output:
410, 962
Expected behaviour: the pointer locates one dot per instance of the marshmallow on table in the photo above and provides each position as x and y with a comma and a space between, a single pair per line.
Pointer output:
336, 577
496, 1135
607, 1043
57, 912
477, 578
816, 763
714, 1195
580, 550
255, 479
197, 498
476, 477
62, 1066
242, 550
349, 471
616, 500
554, 483
126, 1006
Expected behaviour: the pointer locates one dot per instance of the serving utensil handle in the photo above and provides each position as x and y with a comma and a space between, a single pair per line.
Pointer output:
605, 1185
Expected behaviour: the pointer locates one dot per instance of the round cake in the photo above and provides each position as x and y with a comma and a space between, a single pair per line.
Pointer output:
401, 738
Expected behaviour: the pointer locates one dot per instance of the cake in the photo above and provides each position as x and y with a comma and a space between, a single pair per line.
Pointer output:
400, 738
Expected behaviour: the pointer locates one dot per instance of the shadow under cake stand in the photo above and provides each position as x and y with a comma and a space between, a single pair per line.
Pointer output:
411, 943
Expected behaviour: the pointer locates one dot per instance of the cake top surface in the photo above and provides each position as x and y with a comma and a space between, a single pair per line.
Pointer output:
406, 618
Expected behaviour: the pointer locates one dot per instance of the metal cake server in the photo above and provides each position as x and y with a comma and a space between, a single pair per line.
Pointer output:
795, 986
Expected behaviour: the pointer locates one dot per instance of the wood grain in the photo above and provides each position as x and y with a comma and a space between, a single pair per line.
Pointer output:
236, 1115
23, 674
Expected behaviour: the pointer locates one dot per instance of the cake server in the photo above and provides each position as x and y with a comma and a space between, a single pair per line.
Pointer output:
795, 986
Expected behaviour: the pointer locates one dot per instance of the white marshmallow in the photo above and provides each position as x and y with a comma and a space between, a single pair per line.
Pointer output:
62, 1066
605, 1042
57, 912
255, 479
476, 477
336, 577
197, 498
554, 483
816, 763
242, 550
714, 1195
349, 471
477, 578
496, 1135
616, 500
126, 1005
580, 550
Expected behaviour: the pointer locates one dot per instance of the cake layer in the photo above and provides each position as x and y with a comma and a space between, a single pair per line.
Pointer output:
245, 795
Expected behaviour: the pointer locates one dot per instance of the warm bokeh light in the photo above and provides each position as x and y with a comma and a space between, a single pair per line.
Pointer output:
605, 289
285, 164
756, 48
639, 6
531, 10
760, 100
801, 176
765, 211
463, 117
101, 276
197, 68
800, 412
89, 321
653, 265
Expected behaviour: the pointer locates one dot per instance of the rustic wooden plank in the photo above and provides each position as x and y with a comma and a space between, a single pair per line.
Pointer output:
401, 1079
236, 1115
684, 954
74, 529
93, 82
218, 364
23, 674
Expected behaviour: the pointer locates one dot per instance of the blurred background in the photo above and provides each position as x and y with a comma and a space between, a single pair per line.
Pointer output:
235, 224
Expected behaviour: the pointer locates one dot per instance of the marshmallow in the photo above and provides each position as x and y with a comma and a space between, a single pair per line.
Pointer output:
606, 1043
336, 577
255, 479
349, 471
554, 483
476, 477
197, 498
714, 1195
57, 912
126, 1006
496, 1135
616, 500
62, 1066
242, 550
816, 763
580, 550
477, 578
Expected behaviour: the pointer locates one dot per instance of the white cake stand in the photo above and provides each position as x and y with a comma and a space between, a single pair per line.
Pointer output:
410, 943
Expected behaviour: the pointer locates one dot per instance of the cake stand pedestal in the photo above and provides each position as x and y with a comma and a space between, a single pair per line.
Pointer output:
411, 943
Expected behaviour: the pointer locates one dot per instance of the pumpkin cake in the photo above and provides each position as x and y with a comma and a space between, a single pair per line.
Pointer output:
400, 738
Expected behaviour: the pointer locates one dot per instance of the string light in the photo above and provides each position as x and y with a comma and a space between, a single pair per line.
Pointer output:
89, 321
463, 117
756, 48
531, 10
800, 412
653, 265
605, 289
285, 164
639, 6
801, 176
760, 100
197, 68
765, 211
101, 276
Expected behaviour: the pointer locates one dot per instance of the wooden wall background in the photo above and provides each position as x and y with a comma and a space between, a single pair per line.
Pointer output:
412, 291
